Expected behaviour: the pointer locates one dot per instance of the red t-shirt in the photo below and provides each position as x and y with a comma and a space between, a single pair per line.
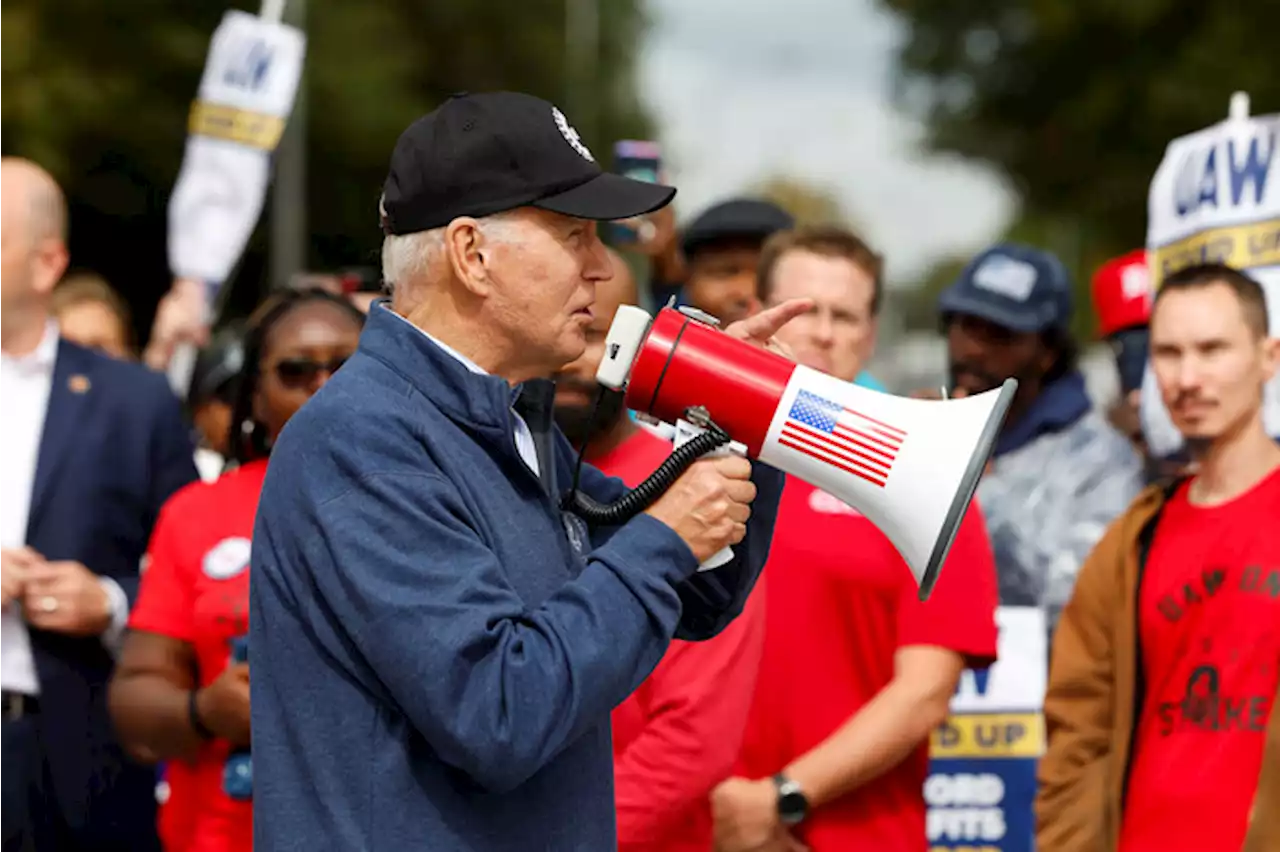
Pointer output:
196, 589
677, 735
841, 603
1209, 615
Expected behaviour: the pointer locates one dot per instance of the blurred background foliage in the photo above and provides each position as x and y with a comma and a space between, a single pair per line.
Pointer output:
103, 105
1075, 101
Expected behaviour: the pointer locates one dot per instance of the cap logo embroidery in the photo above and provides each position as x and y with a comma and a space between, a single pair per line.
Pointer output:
1013, 279
570, 135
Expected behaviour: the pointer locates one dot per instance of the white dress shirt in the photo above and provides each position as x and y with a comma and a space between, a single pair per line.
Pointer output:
25, 383
524, 436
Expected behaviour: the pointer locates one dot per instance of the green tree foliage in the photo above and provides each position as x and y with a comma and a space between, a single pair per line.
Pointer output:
1076, 101
1080, 251
99, 92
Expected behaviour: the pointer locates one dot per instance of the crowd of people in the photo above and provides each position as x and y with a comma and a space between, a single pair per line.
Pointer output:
488, 675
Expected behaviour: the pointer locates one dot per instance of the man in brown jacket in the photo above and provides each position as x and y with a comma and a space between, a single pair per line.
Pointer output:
1166, 661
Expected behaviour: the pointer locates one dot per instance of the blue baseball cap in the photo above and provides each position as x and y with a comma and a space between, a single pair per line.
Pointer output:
1013, 286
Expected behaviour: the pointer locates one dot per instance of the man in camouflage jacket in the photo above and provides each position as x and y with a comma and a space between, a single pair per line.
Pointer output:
1060, 472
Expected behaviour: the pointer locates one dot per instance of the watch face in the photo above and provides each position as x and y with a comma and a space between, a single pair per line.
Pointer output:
791, 808
792, 805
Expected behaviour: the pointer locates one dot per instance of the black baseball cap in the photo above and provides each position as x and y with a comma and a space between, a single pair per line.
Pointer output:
480, 154
735, 219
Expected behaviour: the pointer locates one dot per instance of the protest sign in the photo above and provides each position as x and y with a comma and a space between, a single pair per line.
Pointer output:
1216, 199
982, 769
245, 97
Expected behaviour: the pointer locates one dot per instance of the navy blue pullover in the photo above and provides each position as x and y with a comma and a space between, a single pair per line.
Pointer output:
435, 647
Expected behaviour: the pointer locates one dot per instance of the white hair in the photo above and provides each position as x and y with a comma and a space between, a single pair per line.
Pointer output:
409, 256
406, 257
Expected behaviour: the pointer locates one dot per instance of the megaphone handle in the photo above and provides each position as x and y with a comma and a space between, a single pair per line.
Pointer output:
685, 432
725, 556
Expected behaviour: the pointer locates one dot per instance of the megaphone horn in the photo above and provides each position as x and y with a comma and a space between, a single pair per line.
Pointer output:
911, 466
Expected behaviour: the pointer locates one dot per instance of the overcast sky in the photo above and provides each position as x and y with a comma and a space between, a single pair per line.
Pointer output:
745, 89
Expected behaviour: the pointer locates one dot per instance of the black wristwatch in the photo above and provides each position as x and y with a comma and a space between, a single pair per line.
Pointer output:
793, 807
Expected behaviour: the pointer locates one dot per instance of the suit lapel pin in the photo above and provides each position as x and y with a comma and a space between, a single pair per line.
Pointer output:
78, 383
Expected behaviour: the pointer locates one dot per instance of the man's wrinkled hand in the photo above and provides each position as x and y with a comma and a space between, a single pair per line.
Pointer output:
759, 330
66, 597
746, 818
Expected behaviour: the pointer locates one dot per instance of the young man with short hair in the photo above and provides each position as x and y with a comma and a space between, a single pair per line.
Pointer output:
856, 671
1166, 663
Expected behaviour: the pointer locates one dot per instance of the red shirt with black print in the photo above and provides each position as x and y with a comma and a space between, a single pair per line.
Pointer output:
1209, 621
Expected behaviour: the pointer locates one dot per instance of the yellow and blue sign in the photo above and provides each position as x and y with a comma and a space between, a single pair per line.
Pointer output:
982, 770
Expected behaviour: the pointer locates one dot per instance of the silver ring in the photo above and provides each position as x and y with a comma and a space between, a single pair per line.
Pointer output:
48, 603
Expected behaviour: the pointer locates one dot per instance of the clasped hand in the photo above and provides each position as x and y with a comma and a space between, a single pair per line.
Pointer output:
60, 596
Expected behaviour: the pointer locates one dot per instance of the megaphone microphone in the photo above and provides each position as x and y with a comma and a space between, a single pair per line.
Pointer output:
910, 466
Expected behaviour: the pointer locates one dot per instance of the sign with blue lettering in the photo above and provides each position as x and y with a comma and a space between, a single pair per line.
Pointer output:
1216, 199
981, 804
982, 766
246, 94
248, 64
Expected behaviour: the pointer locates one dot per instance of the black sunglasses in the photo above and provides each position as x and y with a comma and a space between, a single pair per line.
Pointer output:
300, 372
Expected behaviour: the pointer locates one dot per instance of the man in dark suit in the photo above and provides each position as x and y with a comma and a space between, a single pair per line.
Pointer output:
92, 448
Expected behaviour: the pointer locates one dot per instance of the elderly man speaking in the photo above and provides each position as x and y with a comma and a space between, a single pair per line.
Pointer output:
435, 644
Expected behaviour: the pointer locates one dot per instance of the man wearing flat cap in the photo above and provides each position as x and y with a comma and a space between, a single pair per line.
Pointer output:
436, 644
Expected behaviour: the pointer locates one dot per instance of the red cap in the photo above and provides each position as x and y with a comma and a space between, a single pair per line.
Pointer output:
1122, 293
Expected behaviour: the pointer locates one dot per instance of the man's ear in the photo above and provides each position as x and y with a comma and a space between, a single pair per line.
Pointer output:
464, 244
1271, 356
50, 259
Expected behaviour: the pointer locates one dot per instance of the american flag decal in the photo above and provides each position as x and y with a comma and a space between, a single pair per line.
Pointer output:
842, 437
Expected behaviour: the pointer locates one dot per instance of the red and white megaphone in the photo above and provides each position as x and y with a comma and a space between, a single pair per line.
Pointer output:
910, 466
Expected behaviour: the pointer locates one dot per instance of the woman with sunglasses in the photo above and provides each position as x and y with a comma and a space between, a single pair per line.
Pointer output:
180, 692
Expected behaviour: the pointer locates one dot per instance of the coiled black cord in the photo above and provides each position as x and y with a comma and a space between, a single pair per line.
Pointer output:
643, 495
